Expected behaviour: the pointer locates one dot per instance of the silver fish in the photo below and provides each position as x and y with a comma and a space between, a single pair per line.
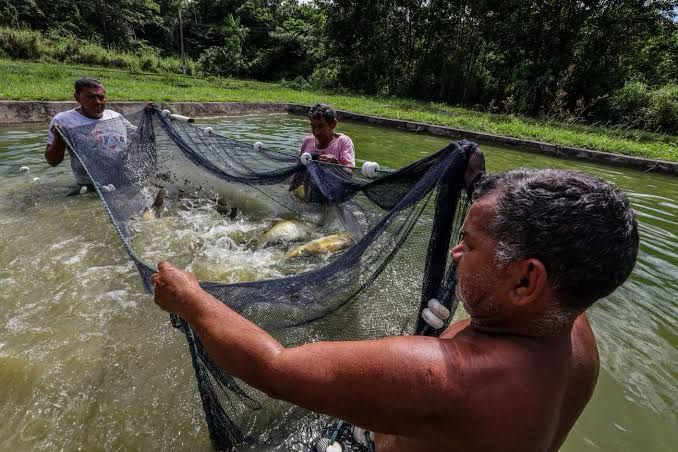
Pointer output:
285, 231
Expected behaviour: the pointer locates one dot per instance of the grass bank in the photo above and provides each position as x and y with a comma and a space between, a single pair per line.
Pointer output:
40, 81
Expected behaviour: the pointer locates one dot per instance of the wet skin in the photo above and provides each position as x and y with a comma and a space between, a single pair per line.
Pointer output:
492, 382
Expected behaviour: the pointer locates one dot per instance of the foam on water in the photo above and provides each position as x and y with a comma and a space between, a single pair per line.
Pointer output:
192, 234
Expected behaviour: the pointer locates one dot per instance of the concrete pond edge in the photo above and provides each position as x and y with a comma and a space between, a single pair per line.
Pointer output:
20, 112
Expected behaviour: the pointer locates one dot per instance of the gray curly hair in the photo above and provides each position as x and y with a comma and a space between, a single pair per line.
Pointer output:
579, 226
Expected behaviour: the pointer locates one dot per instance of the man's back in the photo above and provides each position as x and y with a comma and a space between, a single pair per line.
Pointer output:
522, 394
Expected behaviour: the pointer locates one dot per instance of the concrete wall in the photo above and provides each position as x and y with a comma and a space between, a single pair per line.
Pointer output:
17, 112
514, 143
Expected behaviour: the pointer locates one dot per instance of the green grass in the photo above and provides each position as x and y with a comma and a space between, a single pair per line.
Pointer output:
40, 81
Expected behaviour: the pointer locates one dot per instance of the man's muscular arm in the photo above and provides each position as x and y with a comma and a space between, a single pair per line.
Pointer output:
392, 385
54, 154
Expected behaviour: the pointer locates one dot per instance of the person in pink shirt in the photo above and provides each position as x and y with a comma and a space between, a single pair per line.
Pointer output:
324, 142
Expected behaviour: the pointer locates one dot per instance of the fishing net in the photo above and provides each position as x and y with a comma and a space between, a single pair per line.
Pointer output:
393, 232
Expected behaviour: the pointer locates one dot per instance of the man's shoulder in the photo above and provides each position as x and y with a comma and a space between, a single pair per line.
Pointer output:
73, 118
75, 114
342, 138
501, 375
65, 115
110, 114
490, 359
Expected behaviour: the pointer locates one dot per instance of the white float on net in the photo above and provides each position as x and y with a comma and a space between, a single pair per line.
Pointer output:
305, 158
327, 445
370, 169
334, 447
181, 117
438, 309
434, 321
167, 113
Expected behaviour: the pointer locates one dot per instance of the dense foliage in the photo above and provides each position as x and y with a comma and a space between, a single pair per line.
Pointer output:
593, 60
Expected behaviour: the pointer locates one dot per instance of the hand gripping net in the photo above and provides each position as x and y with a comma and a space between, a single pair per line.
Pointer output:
402, 223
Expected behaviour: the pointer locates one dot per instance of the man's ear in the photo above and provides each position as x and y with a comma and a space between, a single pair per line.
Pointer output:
529, 280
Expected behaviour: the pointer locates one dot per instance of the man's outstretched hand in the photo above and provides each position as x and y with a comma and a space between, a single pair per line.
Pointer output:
175, 290
475, 166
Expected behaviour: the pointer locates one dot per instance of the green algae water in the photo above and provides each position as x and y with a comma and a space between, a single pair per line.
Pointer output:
87, 361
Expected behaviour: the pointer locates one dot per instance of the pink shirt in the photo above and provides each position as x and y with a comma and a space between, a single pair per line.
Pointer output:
341, 147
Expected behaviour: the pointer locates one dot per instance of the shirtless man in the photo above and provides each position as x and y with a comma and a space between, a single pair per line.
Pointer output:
538, 248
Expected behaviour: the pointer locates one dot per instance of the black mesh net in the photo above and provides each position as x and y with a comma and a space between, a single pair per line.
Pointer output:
321, 251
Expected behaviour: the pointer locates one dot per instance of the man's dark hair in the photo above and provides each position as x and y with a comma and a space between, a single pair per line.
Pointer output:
87, 82
322, 111
579, 226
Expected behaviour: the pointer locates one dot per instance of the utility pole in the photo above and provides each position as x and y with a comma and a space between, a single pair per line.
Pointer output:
181, 35
16, 15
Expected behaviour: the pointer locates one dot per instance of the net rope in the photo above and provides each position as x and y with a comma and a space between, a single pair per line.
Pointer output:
401, 225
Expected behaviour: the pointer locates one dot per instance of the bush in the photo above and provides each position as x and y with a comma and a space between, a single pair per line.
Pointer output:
299, 83
20, 44
626, 103
149, 60
224, 61
31, 45
92, 54
639, 106
174, 65
325, 77
662, 111
64, 48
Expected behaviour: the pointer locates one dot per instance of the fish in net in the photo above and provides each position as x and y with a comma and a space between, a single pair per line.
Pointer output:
396, 228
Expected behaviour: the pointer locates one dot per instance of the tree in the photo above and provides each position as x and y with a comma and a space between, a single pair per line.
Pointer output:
227, 58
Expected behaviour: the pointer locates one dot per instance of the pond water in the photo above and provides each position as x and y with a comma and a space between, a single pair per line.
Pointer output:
87, 361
